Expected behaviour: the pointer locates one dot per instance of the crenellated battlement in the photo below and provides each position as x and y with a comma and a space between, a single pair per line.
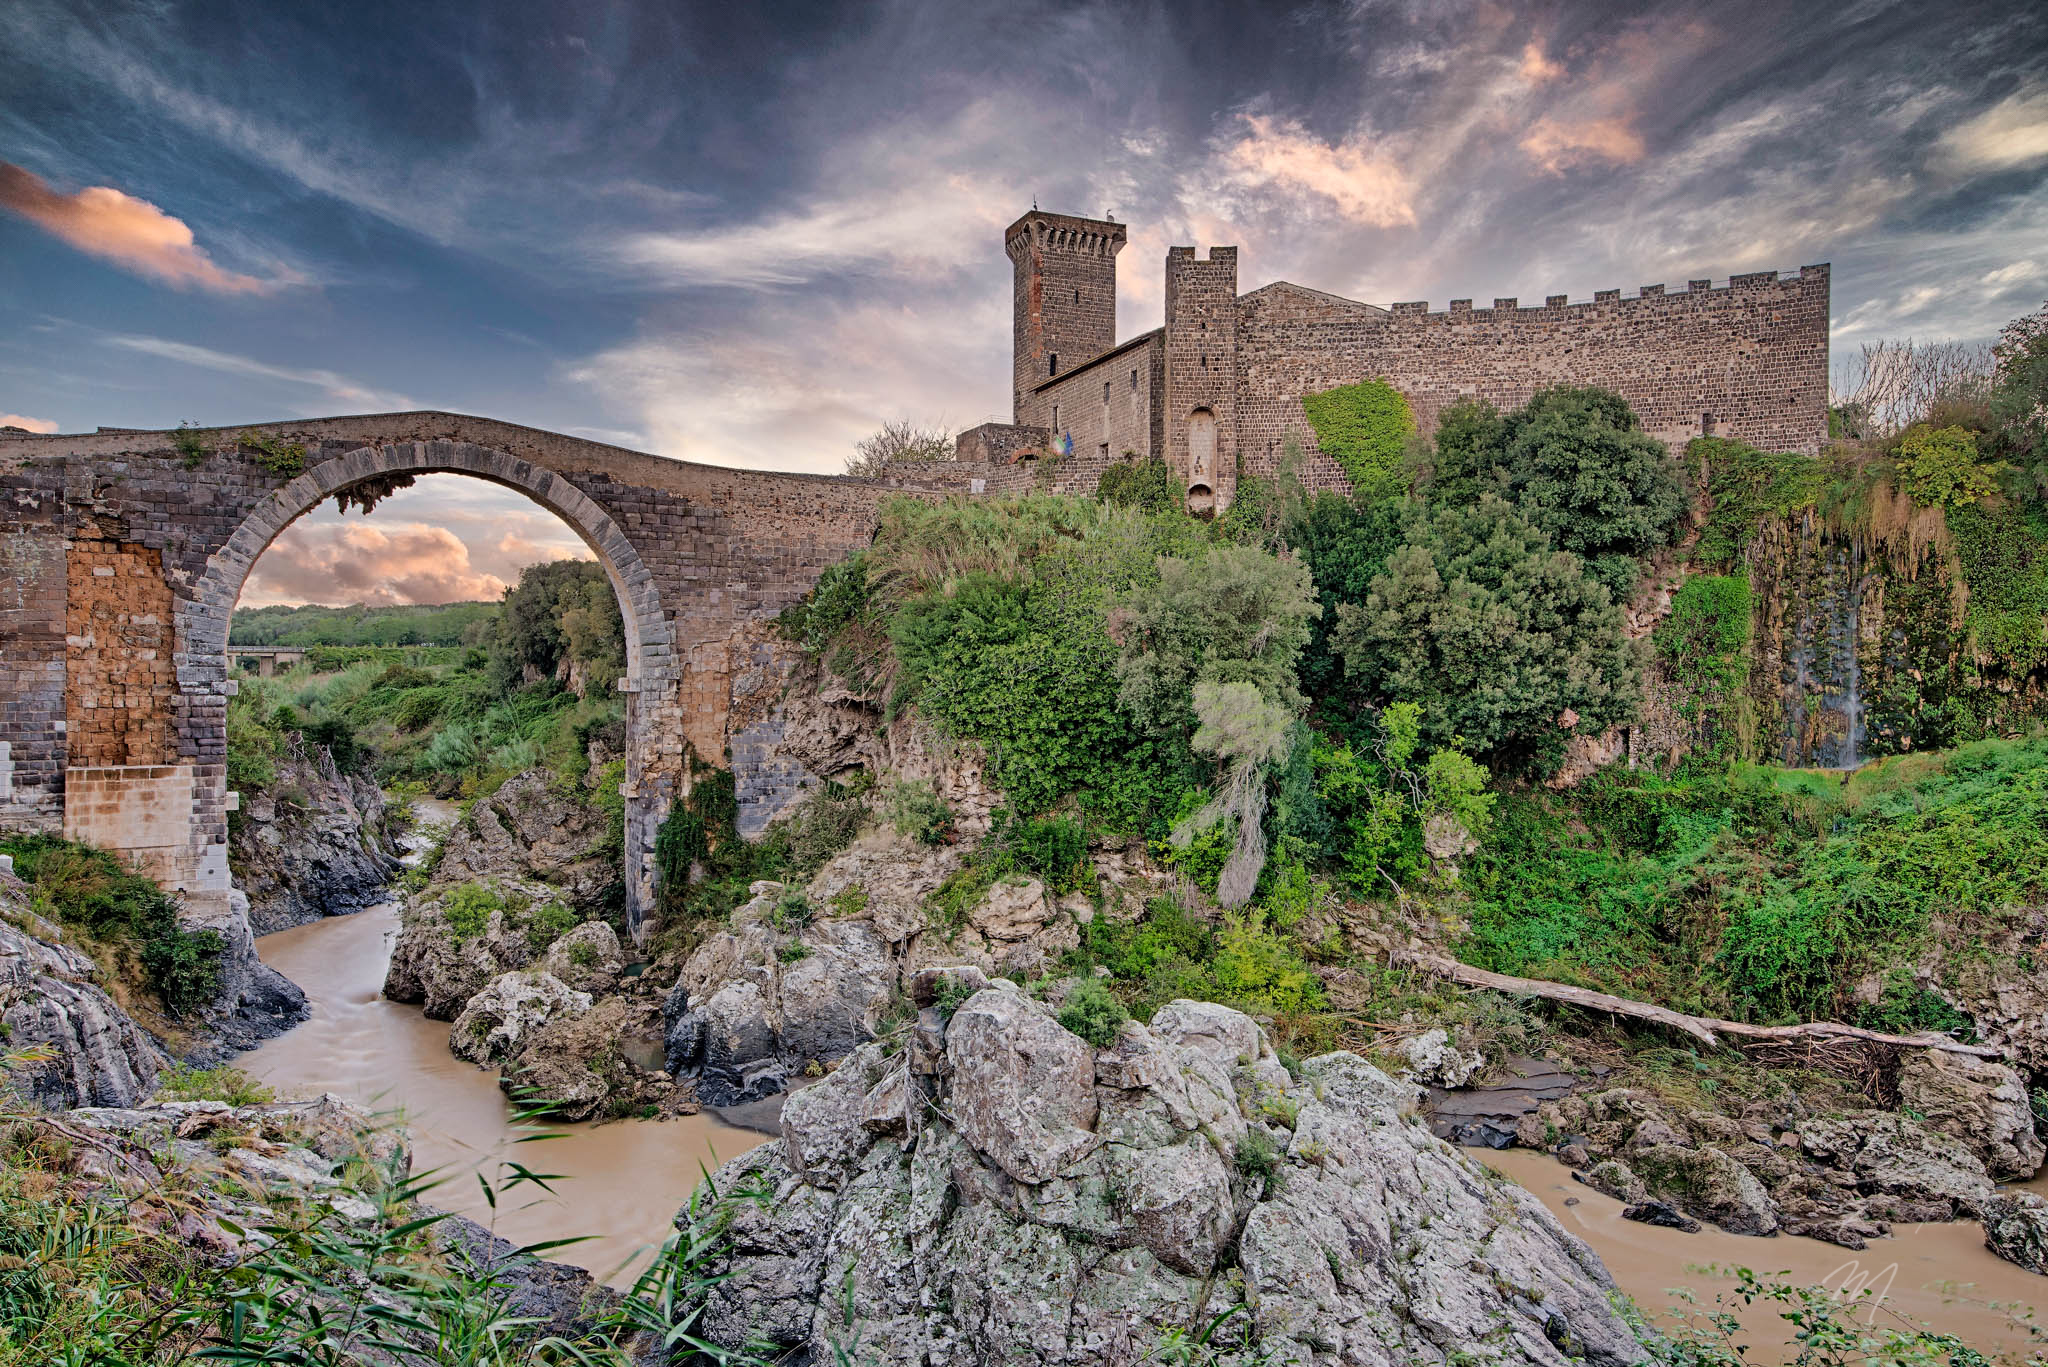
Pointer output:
1559, 306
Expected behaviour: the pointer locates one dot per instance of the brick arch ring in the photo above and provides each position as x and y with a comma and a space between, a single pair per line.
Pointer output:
203, 618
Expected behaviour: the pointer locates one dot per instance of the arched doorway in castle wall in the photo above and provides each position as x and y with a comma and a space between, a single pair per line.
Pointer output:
1202, 462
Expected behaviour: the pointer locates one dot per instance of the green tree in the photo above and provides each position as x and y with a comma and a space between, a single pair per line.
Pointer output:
1577, 464
1937, 467
1235, 615
2019, 395
559, 612
1508, 642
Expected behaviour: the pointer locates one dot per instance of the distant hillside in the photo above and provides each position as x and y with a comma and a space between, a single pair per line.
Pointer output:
429, 624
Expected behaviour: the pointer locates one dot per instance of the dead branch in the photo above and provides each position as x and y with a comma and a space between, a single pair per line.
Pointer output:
1705, 1029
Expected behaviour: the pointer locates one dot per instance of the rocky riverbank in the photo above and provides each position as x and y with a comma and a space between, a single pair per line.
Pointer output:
314, 842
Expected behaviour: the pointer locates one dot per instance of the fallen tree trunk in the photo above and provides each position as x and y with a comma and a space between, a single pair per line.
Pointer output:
1705, 1029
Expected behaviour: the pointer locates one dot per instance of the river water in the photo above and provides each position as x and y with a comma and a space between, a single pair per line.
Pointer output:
624, 1180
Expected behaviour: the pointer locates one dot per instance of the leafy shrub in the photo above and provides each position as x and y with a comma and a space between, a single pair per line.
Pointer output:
220, 1083
1135, 950
1092, 1011
917, 811
1904, 1007
1363, 427
468, 907
285, 459
1500, 635
1147, 485
189, 445
794, 952
1261, 971
548, 923
91, 890
1704, 642
1054, 849
1257, 1160
792, 912
1937, 467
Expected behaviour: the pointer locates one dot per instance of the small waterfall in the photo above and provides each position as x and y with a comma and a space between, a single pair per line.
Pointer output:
1821, 673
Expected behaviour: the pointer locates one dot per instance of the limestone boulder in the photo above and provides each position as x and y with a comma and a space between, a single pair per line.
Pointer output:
1433, 1061
587, 958
317, 843
1023, 1211
1925, 1174
1979, 1102
528, 831
49, 998
2016, 1229
581, 1066
1023, 1086
502, 1019
433, 968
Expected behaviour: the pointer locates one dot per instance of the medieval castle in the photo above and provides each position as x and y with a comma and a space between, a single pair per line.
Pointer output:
1217, 389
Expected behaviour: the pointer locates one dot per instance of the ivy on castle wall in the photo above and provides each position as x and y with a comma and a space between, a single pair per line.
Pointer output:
1363, 427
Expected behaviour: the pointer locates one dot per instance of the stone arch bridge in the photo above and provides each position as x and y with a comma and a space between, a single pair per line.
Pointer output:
121, 559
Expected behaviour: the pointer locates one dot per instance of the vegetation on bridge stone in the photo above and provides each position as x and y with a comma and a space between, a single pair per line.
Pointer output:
1364, 428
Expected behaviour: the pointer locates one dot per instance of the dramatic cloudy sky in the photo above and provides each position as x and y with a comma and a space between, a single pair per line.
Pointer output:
747, 233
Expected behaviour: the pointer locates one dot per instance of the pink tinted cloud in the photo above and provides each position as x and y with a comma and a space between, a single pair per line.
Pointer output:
1557, 145
1538, 69
117, 227
1358, 175
32, 424
362, 563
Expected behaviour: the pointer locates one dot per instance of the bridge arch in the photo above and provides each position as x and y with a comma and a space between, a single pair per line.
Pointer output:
204, 660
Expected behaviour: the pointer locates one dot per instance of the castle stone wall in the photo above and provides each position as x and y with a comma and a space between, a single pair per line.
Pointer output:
1108, 405
1748, 360
1063, 300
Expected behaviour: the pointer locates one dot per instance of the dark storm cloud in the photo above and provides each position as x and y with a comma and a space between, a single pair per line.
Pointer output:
748, 234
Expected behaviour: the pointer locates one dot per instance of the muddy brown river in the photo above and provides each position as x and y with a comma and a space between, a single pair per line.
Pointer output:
623, 1181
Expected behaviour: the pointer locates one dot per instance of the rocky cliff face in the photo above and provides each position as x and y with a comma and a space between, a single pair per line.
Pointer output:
316, 843
989, 1188
49, 998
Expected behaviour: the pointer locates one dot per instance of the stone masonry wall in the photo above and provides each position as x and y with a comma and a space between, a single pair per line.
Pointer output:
1748, 360
1201, 364
117, 655
701, 556
1106, 405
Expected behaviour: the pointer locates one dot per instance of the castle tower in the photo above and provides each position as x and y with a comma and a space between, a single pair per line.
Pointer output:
1065, 298
1200, 408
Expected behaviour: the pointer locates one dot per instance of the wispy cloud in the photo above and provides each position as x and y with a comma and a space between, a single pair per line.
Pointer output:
29, 424
117, 227
334, 385
2012, 133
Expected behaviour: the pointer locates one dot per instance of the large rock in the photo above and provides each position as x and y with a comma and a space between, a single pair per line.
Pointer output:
578, 1064
1023, 1087
1979, 1102
588, 958
527, 831
502, 1019
48, 998
985, 1214
758, 1001
1926, 1175
2016, 1229
315, 843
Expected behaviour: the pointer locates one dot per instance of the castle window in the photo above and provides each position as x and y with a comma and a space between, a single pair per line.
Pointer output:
1055, 417
1205, 363
1052, 364
1134, 380
1077, 296
1105, 391
1706, 424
